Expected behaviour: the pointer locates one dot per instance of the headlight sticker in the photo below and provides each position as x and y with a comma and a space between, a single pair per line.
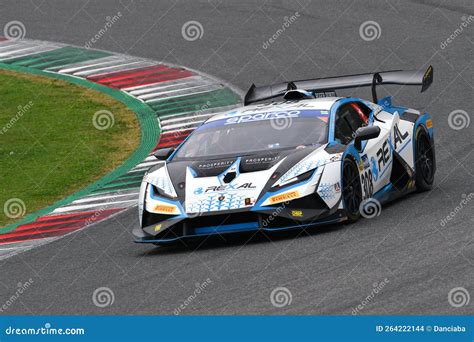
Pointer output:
161, 180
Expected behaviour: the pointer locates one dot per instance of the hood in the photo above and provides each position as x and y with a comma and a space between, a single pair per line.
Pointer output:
233, 183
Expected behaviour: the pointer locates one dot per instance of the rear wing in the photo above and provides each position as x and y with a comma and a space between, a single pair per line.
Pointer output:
330, 84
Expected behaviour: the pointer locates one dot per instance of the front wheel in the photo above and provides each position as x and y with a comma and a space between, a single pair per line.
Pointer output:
351, 190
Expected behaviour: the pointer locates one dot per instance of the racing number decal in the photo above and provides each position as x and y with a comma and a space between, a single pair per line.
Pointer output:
367, 183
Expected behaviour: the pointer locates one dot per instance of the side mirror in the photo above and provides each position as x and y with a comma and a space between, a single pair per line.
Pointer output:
365, 133
163, 153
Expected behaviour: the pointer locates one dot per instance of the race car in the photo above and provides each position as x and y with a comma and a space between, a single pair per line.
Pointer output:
295, 155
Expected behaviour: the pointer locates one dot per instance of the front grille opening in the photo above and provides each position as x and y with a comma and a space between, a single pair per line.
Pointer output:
222, 220
269, 221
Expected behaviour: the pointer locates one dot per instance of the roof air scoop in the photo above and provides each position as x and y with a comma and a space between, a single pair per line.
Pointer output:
298, 94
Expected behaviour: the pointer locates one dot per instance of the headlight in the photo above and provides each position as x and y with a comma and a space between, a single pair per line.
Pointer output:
298, 172
161, 180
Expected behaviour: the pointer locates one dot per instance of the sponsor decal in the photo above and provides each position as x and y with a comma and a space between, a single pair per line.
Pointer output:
285, 103
375, 171
221, 198
165, 209
262, 116
335, 157
284, 197
224, 187
157, 227
260, 160
215, 164
322, 94
296, 213
337, 187
249, 201
365, 161
383, 155
398, 136
429, 123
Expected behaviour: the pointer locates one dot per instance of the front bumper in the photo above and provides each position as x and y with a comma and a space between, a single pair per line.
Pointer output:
300, 213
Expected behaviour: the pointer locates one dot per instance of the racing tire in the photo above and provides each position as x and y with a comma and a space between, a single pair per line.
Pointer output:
351, 190
424, 162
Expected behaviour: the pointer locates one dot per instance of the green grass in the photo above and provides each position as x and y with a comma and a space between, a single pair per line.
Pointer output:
49, 147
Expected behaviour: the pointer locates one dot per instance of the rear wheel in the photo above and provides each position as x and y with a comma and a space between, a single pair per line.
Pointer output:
351, 190
424, 162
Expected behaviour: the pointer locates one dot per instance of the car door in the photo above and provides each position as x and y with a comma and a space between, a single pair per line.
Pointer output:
376, 154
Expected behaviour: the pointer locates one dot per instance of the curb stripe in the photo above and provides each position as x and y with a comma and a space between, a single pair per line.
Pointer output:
117, 66
119, 76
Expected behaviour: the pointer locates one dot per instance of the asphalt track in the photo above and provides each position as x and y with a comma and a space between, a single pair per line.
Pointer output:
327, 270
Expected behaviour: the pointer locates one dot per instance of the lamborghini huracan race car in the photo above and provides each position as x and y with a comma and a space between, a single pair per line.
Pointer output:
295, 155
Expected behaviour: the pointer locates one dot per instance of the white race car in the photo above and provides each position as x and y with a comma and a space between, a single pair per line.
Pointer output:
302, 158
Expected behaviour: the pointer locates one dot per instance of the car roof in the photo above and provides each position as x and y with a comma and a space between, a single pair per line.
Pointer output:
324, 103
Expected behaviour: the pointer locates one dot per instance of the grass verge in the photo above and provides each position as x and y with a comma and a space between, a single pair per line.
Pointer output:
50, 143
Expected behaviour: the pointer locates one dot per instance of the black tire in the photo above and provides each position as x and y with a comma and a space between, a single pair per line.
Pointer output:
424, 162
351, 190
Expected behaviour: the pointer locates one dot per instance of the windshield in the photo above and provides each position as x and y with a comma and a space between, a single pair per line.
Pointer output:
254, 132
